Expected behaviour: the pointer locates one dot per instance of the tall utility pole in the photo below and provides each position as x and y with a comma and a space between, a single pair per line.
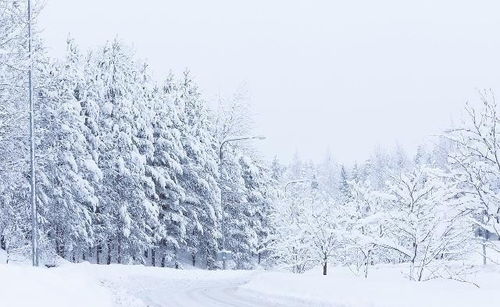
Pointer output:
34, 220
223, 223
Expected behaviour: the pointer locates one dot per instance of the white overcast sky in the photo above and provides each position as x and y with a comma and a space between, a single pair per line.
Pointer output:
340, 75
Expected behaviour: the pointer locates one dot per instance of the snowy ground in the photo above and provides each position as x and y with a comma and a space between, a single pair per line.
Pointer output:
22, 285
121, 285
386, 287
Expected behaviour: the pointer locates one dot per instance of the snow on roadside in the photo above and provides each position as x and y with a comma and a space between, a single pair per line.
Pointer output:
84, 285
386, 287
23, 285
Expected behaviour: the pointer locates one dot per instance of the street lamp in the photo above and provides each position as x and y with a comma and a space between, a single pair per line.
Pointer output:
224, 253
312, 181
34, 221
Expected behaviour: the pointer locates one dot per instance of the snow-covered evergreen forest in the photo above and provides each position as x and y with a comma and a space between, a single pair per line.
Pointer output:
133, 170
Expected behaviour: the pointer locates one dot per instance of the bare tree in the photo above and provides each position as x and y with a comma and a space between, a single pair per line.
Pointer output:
427, 221
476, 158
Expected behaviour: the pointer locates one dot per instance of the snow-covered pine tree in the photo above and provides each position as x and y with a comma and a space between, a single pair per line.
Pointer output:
261, 193
166, 170
200, 173
277, 170
344, 189
123, 195
328, 175
14, 153
238, 236
66, 190
87, 92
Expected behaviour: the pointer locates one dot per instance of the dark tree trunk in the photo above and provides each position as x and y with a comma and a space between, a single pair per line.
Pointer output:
109, 253
59, 243
325, 268
119, 258
367, 263
153, 257
62, 253
98, 254
485, 241
176, 264
193, 259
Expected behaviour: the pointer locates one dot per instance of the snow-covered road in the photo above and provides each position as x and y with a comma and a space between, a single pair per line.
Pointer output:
187, 289
222, 293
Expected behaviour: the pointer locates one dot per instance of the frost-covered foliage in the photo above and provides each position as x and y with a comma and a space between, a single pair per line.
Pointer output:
309, 229
475, 157
200, 173
14, 150
427, 221
388, 210
364, 213
127, 169
247, 191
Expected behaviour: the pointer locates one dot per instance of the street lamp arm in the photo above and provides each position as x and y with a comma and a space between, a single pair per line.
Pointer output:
236, 140
297, 181
293, 182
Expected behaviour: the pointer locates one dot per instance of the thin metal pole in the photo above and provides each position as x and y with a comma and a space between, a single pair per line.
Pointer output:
34, 220
223, 218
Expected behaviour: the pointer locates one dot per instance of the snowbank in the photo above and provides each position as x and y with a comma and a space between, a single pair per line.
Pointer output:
385, 287
22, 285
